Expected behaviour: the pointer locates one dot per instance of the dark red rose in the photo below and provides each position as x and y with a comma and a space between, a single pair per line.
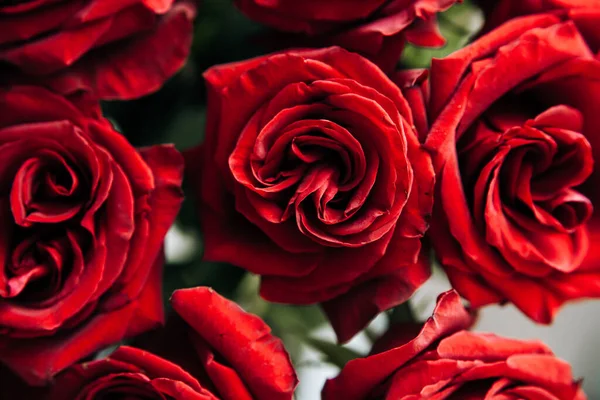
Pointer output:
445, 361
377, 29
115, 49
229, 355
312, 175
514, 140
585, 14
83, 218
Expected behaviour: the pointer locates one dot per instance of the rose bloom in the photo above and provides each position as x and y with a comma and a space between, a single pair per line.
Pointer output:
445, 361
514, 140
585, 14
222, 353
312, 176
83, 218
117, 50
378, 29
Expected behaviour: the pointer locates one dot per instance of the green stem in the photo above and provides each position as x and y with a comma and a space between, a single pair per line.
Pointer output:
402, 314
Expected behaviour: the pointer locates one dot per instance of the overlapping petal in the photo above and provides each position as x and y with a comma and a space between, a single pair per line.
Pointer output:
83, 232
226, 354
445, 361
317, 169
104, 48
378, 29
514, 147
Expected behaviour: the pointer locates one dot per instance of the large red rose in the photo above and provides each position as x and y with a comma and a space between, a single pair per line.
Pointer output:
312, 175
585, 14
377, 29
83, 218
514, 140
222, 353
115, 49
445, 361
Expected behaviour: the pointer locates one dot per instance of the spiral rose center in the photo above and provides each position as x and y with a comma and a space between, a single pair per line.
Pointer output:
45, 189
331, 163
318, 166
523, 175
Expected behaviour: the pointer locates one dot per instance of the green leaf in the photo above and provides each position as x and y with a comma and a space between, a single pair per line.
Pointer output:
291, 323
458, 25
402, 314
371, 335
335, 354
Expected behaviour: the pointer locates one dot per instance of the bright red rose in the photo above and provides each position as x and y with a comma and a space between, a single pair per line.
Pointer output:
445, 361
115, 49
377, 29
514, 140
585, 14
312, 176
229, 355
83, 218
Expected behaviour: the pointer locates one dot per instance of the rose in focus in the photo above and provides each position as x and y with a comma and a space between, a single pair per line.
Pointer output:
83, 218
378, 29
222, 353
445, 361
312, 176
513, 137
116, 50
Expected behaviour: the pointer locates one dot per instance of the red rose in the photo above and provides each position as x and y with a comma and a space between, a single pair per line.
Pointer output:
445, 361
118, 49
229, 354
513, 141
377, 29
585, 14
83, 218
312, 175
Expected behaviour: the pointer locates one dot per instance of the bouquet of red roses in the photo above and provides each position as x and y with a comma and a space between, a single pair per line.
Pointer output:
328, 157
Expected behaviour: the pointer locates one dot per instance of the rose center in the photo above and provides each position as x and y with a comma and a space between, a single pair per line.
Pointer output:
45, 189
532, 166
522, 176
313, 158
327, 160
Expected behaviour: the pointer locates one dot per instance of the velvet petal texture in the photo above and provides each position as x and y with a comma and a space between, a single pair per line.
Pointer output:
377, 29
243, 341
210, 350
444, 361
513, 141
313, 176
84, 215
114, 50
